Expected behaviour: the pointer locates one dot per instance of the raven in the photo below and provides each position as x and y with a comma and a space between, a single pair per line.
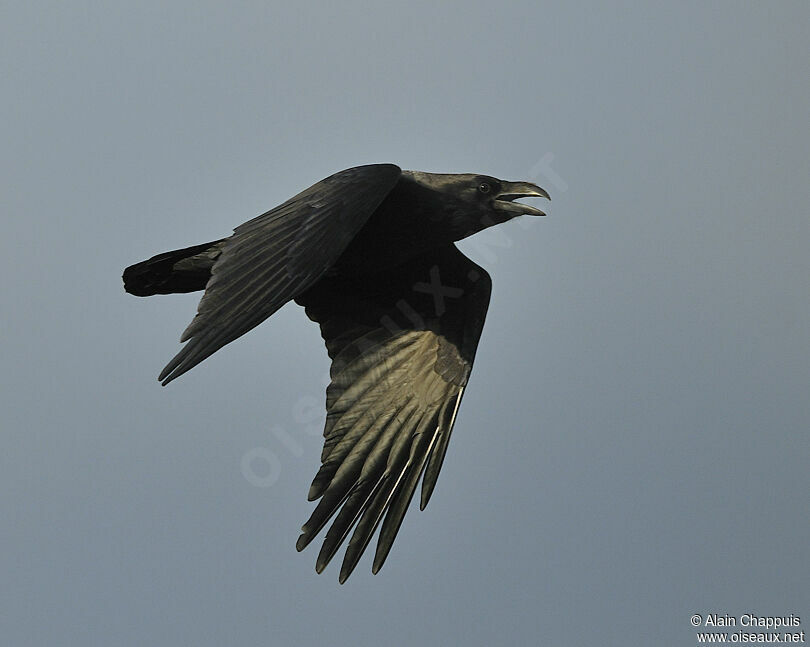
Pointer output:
369, 253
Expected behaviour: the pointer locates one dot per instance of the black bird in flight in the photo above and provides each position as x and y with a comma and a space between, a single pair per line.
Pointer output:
369, 253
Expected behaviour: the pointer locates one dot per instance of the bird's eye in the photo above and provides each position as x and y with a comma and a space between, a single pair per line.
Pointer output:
483, 187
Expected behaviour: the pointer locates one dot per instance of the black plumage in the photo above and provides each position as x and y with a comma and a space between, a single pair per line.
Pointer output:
369, 253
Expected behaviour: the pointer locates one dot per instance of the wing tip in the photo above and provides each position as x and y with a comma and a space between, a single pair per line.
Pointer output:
302, 542
315, 491
376, 566
325, 556
169, 374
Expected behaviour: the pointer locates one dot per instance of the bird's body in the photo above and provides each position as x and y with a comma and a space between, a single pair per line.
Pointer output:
369, 253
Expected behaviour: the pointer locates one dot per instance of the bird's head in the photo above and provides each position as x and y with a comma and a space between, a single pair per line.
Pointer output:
471, 202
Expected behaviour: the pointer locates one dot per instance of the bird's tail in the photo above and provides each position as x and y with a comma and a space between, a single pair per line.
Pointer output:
182, 270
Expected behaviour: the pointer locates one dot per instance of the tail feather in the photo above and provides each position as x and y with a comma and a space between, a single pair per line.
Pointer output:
181, 270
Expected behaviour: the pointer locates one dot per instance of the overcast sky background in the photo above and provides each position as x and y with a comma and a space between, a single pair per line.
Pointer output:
633, 445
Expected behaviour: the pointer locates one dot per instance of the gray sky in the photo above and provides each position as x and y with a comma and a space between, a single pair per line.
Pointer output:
633, 445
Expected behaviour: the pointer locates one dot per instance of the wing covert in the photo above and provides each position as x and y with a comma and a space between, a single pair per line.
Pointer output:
278, 255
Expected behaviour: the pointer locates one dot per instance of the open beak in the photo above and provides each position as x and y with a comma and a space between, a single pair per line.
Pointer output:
512, 191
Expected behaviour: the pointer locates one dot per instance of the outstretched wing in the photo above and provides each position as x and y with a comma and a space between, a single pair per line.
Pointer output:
276, 256
402, 345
